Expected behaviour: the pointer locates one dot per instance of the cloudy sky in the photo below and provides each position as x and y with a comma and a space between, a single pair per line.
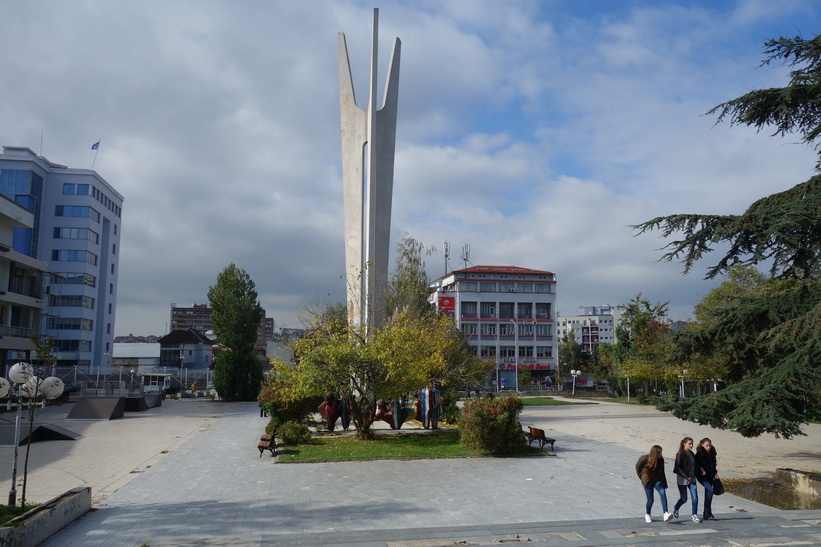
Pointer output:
534, 131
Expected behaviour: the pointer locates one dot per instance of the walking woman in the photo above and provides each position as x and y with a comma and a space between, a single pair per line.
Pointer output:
685, 470
650, 469
706, 473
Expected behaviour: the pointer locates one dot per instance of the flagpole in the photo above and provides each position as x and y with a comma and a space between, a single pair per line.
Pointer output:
96, 148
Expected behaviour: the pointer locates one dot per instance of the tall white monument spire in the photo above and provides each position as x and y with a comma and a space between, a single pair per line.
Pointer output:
368, 145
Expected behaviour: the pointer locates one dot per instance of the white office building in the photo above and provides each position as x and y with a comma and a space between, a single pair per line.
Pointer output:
76, 231
507, 314
593, 326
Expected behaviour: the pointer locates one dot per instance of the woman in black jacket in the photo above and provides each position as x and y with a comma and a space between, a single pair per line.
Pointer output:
685, 470
706, 473
650, 469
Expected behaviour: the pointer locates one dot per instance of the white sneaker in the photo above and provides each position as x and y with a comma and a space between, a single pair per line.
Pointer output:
647, 518
696, 519
667, 516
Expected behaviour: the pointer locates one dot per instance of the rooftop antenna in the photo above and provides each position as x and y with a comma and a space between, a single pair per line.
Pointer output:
447, 257
466, 254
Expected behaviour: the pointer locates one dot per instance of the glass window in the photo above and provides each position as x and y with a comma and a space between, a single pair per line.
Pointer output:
486, 286
69, 189
76, 233
77, 211
72, 255
72, 345
73, 279
71, 301
544, 351
488, 351
468, 309
82, 189
468, 286
507, 351
542, 311
543, 288
488, 310
70, 323
507, 287
469, 329
488, 330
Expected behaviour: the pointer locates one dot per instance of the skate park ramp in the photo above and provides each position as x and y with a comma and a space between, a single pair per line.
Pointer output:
97, 408
40, 432
143, 402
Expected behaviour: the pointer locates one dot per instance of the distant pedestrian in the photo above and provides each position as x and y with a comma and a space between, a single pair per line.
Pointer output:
685, 470
650, 469
706, 473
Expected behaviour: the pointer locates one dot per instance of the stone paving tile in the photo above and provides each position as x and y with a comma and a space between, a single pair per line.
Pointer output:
215, 490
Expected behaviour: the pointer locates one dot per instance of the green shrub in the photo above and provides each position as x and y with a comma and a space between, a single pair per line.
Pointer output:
272, 425
294, 433
492, 424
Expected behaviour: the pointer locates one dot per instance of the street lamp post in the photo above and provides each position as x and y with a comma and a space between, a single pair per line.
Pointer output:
131, 382
682, 375
29, 386
574, 373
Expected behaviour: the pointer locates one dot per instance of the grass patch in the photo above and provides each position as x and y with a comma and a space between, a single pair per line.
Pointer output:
434, 445
8, 512
532, 401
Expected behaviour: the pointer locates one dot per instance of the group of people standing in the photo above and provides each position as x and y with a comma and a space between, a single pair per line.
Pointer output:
689, 468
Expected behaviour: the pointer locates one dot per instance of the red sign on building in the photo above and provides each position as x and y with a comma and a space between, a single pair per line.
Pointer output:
447, 303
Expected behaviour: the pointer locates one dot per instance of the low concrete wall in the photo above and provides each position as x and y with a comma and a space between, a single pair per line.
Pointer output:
35, 526
801, 481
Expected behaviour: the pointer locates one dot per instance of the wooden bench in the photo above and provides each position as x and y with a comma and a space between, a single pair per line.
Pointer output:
267, 442
536, 434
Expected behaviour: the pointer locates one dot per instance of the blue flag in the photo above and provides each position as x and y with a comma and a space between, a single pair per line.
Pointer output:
95, 146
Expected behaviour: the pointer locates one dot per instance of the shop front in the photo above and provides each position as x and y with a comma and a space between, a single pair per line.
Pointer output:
542, 376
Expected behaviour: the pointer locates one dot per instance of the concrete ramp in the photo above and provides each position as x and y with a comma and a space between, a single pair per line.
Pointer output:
40, 432
143, 402
97, 408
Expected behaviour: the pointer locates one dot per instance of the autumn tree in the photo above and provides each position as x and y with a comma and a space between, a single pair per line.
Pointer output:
770, 340
642, 342
396, 360
236, 316
413, 349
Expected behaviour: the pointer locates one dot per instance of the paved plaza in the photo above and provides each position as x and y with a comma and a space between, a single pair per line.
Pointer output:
189, 473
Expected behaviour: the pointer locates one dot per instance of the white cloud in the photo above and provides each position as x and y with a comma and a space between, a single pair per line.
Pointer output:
535, 131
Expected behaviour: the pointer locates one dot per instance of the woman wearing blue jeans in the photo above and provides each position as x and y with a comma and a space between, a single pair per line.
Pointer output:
685, 470
706, 473
650, 469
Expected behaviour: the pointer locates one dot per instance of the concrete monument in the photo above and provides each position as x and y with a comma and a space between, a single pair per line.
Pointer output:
368, 145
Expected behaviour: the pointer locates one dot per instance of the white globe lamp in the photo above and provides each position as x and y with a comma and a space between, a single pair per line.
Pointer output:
52, 387
19, 373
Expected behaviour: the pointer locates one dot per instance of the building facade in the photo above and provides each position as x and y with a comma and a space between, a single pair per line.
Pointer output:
76, 231
593, 326
507, 315
187, 348
198, 317
21, 288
